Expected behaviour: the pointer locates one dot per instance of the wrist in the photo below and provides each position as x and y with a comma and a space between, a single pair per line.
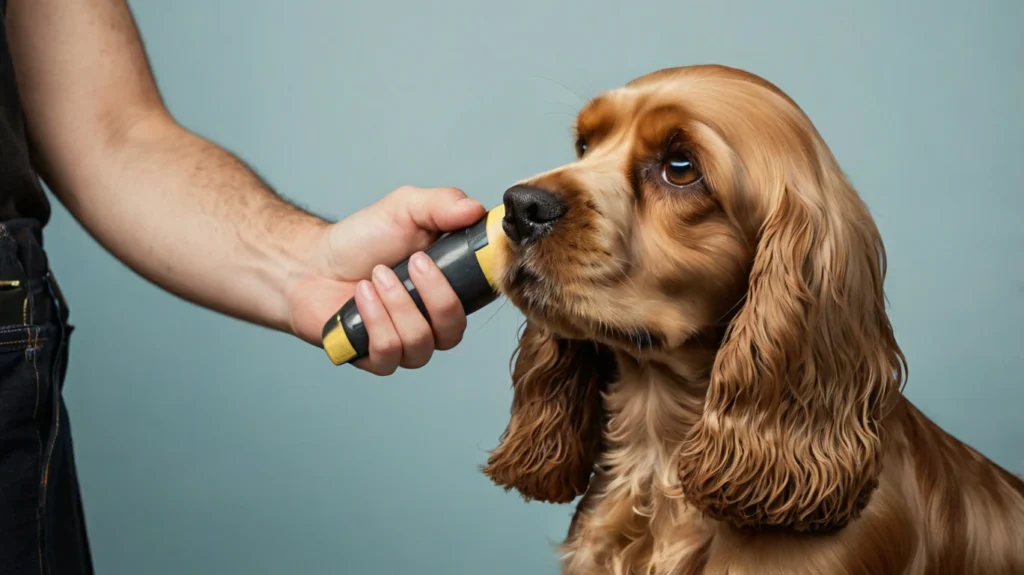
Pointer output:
304, 276
293, 258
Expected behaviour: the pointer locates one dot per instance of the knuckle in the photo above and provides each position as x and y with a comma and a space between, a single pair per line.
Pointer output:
373, 369
452, 193
449, 341
384, 366
386, 347
415, 361
451, 307
406, 191
451, 334
421, 339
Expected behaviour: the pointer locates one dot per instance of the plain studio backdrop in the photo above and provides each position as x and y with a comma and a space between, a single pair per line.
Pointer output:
207, 446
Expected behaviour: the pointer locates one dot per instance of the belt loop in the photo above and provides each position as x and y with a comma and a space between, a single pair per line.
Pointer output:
58, 295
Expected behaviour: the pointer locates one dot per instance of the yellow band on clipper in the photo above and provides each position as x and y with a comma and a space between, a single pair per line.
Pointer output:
486, 256
337, 346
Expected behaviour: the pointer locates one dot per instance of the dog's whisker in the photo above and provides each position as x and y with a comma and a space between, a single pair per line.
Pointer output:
504, 301
567, 88
572, 108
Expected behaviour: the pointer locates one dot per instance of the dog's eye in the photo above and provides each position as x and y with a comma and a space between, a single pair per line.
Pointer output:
677, 170
581, 147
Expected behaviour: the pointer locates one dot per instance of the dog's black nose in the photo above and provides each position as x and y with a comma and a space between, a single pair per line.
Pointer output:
530, 213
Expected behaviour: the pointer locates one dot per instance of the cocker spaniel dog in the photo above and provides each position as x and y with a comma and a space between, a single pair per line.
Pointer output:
707, 359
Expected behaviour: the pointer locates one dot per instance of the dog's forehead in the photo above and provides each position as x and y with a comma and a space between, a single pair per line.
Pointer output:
680, 92
700, 90
621, 108
633, 99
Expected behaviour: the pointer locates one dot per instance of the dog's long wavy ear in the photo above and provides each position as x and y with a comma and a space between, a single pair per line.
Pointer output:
548, 450
791, 434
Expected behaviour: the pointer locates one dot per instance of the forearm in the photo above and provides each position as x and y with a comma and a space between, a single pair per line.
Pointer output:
192, 218
180, 211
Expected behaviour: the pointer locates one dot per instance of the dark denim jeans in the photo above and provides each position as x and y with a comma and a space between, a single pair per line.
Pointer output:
42, 528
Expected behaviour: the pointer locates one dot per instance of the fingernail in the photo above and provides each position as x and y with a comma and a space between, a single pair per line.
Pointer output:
383, 277
469, 202
421, 262
367, 289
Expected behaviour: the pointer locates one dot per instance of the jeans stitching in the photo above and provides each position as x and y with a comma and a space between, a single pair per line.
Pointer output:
40, 508
54, 389
35, 341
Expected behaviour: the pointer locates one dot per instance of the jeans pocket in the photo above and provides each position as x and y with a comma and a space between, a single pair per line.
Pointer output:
26, 414
24, 376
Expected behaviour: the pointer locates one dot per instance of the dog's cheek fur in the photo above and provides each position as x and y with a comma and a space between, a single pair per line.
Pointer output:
551, 443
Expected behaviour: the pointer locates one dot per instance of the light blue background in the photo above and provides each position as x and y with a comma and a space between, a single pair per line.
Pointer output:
207, 446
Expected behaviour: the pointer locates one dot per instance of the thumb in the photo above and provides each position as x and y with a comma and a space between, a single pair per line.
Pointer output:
441, 209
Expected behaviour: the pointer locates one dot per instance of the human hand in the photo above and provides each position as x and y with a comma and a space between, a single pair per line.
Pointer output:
365, 245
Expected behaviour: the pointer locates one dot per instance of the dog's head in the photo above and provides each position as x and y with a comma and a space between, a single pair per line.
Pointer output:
703, 207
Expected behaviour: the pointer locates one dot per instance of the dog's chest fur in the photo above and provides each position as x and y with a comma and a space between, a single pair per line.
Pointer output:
630, 521
633, 521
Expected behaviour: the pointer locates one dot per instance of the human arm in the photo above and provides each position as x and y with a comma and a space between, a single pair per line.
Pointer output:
191, 217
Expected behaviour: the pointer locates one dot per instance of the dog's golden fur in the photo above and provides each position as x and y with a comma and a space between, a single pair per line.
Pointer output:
707, 358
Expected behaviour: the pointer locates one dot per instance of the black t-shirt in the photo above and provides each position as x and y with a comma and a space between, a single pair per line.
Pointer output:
21, 194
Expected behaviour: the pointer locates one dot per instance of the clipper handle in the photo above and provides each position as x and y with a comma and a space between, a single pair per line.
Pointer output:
465, 257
